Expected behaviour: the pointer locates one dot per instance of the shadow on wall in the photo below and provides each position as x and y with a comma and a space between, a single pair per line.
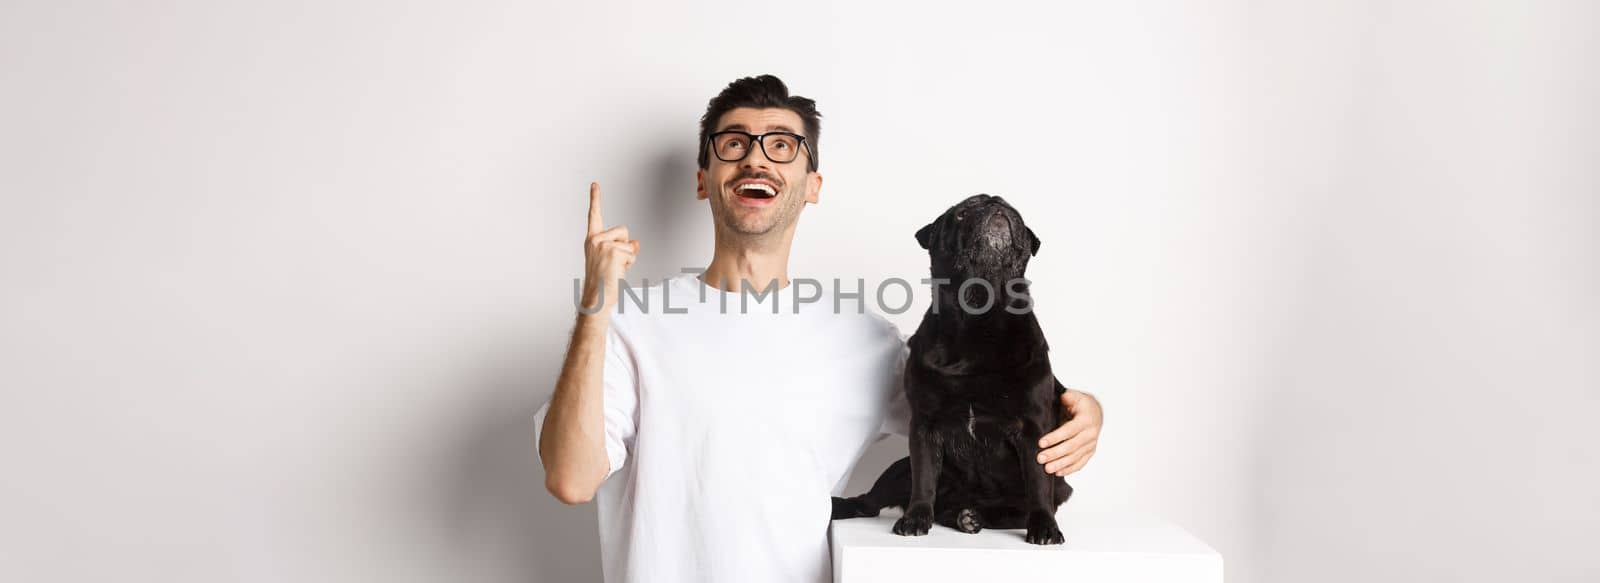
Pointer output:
493, 509
671, 225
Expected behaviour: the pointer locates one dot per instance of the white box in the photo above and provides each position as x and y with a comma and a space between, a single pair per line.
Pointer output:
1100, 548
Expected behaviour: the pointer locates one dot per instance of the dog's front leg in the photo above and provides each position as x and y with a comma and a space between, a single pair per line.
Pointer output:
927, 455
1036, 488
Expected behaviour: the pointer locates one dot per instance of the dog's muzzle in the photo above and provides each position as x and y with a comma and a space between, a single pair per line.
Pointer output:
997, 231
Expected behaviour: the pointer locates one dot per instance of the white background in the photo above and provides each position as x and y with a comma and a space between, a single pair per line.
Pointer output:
283, 282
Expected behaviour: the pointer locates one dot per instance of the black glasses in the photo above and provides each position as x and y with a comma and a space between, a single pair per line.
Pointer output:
734, 145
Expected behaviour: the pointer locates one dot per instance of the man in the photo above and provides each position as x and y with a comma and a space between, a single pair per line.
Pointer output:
712, 424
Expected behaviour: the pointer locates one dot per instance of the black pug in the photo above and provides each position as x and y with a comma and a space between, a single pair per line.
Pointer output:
980, 388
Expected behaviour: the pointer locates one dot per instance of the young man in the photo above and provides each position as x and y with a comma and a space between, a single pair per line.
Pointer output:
713, 425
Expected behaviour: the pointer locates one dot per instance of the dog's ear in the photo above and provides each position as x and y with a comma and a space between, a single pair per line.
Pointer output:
1033, 242
925, 235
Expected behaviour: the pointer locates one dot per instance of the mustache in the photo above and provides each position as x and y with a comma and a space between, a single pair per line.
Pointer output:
751, 175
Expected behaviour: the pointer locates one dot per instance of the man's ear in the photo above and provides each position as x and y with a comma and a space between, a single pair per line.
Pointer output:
1033, 241
925, 235
700, 184
813, 187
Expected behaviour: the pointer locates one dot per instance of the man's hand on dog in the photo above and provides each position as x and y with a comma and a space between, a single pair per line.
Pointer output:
1070, 446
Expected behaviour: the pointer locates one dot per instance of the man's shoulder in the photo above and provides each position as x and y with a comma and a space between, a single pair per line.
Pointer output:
649, 298
875, 328
885, 325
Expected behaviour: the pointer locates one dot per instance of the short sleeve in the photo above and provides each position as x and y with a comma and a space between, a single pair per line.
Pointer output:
619, 401
897, 418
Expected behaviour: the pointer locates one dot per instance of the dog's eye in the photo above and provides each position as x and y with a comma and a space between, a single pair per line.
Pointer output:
958, 216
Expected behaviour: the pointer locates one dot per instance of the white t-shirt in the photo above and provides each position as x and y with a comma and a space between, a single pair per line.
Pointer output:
728, 432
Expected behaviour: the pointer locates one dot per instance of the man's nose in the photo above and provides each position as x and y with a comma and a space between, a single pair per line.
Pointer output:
756, 159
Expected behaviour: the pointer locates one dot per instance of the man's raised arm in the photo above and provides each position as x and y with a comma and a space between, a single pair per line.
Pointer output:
572, 440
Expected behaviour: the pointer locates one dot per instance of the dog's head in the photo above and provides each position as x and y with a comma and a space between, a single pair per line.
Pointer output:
981, 236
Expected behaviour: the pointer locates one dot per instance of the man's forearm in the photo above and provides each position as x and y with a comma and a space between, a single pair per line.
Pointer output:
572, 443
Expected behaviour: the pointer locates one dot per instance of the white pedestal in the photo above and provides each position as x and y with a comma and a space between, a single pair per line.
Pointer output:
1100, 548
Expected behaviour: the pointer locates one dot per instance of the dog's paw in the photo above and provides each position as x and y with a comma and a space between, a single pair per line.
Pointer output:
917, 521
967, 521
1042, 530
851, 508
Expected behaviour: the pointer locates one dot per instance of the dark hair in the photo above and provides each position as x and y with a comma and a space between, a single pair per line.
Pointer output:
761, 92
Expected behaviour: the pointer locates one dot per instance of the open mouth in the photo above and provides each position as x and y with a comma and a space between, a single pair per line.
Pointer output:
755, 190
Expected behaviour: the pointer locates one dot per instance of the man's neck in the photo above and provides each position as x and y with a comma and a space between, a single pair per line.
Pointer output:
756, 263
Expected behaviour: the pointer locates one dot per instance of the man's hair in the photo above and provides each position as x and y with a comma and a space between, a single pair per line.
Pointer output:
761, 92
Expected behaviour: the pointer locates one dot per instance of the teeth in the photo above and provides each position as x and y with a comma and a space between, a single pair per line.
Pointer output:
761, 187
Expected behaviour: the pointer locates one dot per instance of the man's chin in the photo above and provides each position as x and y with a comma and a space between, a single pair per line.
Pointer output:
744, 229
747, 219
751, 225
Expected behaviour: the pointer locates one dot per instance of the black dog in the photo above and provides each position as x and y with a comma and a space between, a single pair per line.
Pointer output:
980, 388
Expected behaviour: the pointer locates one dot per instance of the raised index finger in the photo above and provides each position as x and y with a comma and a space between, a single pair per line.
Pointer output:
595, 223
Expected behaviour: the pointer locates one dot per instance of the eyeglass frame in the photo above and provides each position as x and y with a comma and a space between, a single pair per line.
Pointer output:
761, 140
